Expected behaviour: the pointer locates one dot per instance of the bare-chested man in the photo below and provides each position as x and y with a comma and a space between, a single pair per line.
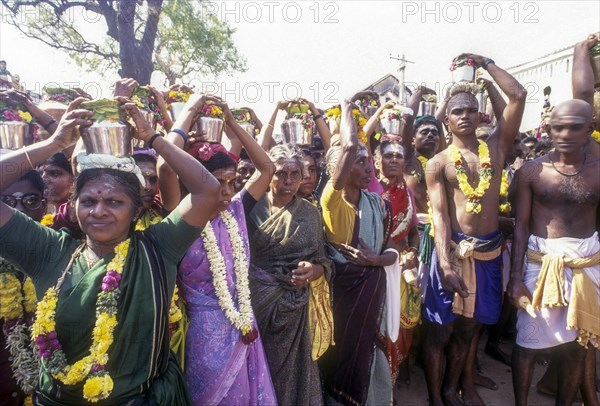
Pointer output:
461, 294
556, 213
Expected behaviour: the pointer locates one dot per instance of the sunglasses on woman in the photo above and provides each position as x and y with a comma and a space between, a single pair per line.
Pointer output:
31, 201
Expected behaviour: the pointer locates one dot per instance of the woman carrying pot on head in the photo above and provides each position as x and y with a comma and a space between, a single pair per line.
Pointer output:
101, 325
224, 357
357, 224
288, 282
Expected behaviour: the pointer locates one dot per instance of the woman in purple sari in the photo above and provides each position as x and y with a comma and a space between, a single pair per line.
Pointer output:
224, 357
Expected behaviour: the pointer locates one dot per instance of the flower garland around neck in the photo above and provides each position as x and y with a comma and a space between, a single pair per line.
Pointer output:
175, 311
419, 176
505, 206
17, 306
92, 368
485, 175
596, 136
241, 319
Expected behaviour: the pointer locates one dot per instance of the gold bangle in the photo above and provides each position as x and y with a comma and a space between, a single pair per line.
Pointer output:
28, 159
270, 125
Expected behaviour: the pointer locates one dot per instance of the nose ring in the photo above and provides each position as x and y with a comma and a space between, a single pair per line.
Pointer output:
91, 211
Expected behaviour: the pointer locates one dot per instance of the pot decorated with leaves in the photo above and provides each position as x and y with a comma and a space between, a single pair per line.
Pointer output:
176, 102
463, 70
210, 123
393, 120
15, 131
243, 117
108, 134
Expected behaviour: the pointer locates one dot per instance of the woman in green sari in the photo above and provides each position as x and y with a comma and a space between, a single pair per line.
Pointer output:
288, 282
101, 328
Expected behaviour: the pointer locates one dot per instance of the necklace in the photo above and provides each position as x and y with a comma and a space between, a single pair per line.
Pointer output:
98, 384
241, 319
474, 196
567, 174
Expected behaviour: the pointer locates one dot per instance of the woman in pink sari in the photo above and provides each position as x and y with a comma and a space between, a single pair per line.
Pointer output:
224, 357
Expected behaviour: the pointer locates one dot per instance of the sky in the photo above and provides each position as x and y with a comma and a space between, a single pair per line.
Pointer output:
327, 50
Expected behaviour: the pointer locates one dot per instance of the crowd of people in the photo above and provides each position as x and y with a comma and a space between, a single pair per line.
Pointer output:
264, 273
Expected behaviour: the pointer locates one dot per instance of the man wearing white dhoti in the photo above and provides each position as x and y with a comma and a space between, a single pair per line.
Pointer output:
555, 270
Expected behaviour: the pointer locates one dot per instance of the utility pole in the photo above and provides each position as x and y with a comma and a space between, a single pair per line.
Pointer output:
401, 70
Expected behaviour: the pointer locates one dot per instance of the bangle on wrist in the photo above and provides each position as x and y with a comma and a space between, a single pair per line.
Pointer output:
152, 139
49, 124
28, 159
486, 63
270, 125
318, 116
181, 133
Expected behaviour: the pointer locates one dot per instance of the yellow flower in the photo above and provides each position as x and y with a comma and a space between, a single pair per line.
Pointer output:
97, 388
47, 220
596, 136
25, 116
30, 297
485, 175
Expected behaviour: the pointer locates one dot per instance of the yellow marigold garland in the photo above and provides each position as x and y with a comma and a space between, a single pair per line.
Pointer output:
485, 175
596, 136
505, 206
98, 384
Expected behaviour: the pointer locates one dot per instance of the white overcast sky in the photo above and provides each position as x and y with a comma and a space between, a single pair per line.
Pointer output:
326, 50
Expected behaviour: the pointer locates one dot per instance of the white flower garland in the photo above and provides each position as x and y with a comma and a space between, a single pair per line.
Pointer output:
406, 221
242, 318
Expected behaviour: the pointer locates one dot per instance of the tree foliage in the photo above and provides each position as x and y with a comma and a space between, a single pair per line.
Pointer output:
140, 35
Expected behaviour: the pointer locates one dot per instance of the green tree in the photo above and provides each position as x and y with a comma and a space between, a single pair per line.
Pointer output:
187, 45
133, 38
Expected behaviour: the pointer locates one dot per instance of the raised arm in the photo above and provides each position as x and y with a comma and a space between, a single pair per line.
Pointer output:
266, 134
373, 121
14, 165
516, 287
42, 118
583, 75
434, 175
349, 143
168, 180
510, 121
202, 201
258, 184
496, 100
160, 101
322, 126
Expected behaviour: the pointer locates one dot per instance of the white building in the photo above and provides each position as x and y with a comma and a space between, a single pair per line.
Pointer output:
552, 70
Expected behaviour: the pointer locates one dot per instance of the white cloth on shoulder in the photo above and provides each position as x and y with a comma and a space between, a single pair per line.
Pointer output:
549, 328
393, 273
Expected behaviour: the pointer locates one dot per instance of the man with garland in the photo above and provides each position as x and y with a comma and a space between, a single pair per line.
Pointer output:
555, 272
465, 287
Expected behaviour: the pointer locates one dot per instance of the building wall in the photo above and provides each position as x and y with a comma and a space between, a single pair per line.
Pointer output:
552, 70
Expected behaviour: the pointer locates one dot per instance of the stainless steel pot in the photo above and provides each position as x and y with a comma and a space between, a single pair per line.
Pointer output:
295, 133
108, 137
464, 73
209, 129
176, 109
15, 135
248, 127
427, 108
